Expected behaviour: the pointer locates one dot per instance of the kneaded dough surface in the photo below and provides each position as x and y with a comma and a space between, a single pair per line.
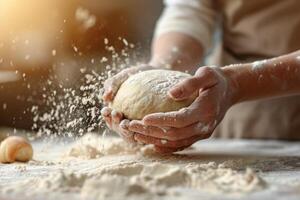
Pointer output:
147, 92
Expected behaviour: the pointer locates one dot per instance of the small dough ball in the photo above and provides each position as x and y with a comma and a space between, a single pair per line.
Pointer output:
15, 148
147, 92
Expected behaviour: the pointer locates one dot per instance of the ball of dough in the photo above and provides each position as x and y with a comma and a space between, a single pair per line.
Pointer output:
147, 92
15, 148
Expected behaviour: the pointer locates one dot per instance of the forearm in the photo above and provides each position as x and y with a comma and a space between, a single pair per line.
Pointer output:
264, 79
176, 51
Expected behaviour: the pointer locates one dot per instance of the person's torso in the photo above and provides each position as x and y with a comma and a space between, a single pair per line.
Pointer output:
260, 28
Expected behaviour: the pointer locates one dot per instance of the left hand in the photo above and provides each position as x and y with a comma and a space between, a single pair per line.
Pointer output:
177, 130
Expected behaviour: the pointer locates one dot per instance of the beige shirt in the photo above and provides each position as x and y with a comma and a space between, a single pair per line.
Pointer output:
251, 28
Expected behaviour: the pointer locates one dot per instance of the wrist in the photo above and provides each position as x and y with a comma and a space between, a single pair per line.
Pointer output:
233, 87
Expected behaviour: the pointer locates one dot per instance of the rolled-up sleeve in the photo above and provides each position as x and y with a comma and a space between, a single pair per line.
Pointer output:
195, 18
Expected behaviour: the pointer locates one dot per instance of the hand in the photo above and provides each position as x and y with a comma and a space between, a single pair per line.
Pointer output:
115, 120
112, 85
180, 129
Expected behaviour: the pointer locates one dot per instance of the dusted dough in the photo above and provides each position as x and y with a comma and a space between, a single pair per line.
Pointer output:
147, 92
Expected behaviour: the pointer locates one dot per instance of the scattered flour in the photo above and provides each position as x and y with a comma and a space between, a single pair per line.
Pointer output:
92, 146
142, 180
77, 111
73, 111
85, 18
139, 178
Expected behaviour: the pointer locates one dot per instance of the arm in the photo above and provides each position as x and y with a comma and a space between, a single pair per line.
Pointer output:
176, 51
268, 78
219, 89
183, 34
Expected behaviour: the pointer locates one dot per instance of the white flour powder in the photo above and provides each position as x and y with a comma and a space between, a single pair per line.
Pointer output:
143, 177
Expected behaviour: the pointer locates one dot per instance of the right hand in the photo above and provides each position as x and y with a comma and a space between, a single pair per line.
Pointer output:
114, 119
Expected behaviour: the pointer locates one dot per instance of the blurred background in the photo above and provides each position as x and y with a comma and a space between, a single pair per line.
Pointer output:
53, 38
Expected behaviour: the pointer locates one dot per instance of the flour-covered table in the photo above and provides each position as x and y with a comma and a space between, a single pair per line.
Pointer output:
105, 168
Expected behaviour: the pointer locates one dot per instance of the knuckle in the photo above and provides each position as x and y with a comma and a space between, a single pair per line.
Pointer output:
207, 71
190, 83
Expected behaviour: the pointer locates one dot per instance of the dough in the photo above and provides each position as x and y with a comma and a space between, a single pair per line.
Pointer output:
15, 148
147, 92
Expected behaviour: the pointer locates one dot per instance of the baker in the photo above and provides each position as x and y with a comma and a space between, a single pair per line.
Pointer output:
249, 87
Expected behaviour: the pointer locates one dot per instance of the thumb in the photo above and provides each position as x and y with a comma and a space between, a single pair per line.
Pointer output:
205, 77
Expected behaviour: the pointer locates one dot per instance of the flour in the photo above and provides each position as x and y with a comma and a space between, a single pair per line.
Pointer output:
62, 181
145, 176
85, 18
156, 177
142, 180
69, 111
93, 146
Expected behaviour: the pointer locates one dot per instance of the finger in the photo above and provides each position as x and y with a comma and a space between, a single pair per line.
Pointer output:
165, 143
204, 78
112, 85
108, 122
166, 150
123, 126
172, 134
177, 119
107, 95
106, 111
139, 127
171, 119
123, 131
184, 89
116, 116
127, 136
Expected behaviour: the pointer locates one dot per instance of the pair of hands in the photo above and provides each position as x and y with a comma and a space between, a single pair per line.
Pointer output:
177, 130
